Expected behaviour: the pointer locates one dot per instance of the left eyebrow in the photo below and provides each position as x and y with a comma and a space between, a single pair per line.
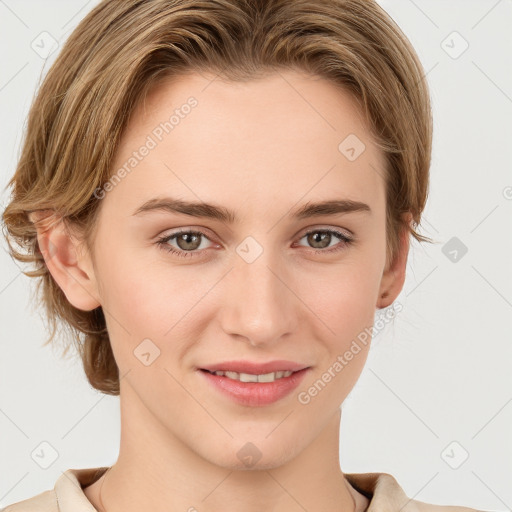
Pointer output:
212, 211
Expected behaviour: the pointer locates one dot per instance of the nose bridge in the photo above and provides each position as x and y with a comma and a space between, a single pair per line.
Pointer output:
259, 305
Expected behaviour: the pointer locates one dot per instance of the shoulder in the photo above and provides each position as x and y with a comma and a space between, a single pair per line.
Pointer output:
66, 496
386, 494
429, 507
43, 502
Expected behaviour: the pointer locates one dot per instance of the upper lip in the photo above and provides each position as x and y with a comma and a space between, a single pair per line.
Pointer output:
255, 368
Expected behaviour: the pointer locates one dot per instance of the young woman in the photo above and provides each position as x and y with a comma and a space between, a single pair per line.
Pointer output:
217, 196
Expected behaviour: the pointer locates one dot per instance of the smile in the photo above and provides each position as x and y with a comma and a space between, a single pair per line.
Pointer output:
254, 390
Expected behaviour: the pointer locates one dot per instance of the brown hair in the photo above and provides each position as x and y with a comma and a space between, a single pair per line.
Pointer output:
124, 47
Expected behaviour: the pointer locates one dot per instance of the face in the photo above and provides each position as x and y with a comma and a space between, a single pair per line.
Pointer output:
265, 285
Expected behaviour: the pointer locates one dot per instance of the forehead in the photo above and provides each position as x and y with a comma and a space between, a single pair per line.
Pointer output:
288, 134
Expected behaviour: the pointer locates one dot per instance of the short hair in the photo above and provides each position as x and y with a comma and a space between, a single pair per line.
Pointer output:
122, 48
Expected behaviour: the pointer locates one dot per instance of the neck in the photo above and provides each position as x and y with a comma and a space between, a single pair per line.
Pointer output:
160, 473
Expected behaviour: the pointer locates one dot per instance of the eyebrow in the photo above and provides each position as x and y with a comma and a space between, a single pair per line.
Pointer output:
212, 211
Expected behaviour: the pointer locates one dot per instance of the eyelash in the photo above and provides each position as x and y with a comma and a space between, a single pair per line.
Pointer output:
162, 242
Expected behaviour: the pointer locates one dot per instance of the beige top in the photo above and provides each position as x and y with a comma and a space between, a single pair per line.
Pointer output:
383, 491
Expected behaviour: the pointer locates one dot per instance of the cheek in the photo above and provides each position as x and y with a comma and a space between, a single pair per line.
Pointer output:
343, 298
343, 308
150, 300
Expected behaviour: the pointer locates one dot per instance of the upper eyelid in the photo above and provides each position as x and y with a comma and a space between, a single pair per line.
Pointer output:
343, 231
304, 231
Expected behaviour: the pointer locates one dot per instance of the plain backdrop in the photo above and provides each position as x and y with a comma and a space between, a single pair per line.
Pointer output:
433, 406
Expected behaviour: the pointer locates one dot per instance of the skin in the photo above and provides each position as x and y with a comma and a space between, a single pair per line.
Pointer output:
260, 148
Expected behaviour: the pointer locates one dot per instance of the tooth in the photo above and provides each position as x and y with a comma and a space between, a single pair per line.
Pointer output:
247, 377
267, 377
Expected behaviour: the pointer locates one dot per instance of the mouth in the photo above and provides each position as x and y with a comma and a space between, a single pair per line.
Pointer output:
254, 390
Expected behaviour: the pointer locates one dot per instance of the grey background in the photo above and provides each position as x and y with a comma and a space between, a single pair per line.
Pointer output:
437, 385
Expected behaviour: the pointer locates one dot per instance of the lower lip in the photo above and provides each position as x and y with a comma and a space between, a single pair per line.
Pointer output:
256, 394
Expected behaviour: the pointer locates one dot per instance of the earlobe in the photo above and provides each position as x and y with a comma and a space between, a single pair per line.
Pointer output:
393, 278
70, 266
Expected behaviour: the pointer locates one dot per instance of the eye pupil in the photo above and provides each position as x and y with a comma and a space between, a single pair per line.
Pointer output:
324, 237
188, 244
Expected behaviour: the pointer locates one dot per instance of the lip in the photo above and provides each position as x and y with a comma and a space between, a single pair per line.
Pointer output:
255, 394
242, 366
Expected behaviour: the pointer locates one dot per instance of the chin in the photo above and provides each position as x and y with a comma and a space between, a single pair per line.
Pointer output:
237, 455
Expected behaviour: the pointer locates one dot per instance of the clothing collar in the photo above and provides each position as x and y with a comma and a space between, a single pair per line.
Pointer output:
382, 490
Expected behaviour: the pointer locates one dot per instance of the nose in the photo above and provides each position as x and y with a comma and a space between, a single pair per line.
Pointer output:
258, 302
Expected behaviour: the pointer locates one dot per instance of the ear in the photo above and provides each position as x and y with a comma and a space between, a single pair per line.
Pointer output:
393, 277
67, 260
